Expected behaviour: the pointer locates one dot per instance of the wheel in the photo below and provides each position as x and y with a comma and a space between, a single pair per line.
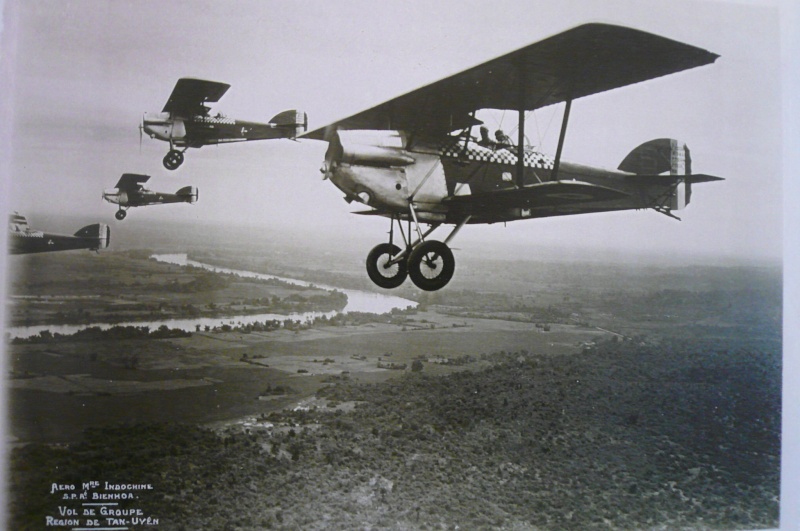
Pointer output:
431, 265
120, 215
173, 159
383, 276
169, 162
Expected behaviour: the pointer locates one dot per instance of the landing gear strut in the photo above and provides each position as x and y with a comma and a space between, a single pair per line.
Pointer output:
430, 264
173, 159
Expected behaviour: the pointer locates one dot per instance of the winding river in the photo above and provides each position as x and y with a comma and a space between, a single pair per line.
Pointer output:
357, 301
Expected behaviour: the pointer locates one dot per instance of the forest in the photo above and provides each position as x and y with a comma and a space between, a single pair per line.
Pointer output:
624, 435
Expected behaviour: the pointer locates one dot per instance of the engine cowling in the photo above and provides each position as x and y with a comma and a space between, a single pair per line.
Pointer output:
368, 166
115, 196
163, 126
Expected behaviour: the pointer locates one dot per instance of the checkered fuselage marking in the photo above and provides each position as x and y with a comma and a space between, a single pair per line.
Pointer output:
501, 155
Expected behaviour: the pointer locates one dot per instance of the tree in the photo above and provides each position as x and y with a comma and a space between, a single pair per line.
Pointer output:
417, 366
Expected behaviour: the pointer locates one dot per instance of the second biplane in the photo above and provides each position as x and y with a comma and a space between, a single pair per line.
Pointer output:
414, 159
186, 122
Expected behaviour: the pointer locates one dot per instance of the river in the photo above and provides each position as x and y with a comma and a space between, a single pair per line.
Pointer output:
357, 301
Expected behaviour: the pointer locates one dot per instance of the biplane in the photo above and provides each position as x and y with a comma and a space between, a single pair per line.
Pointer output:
414, 159
22, 239
186, 122
130, 192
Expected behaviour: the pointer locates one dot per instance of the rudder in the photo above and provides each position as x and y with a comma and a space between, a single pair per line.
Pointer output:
99, 233
659, 156
294, 122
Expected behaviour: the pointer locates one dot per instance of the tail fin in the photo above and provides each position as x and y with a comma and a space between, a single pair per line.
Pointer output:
190, 194
99, 232
292, 122
659, 156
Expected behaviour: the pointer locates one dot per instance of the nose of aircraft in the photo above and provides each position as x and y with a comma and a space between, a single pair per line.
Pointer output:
153, 124
112, 196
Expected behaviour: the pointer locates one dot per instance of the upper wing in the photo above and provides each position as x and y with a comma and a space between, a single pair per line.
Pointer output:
578, 62
131, 181
189, 94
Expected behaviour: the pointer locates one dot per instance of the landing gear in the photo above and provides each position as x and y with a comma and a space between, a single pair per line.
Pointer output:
431, 265
120, 215
381, 268
173, 159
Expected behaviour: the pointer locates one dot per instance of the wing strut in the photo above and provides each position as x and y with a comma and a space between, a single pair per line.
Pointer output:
521, 126
557, 162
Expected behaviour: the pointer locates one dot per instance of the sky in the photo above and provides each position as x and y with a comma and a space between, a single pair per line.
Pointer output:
85, 71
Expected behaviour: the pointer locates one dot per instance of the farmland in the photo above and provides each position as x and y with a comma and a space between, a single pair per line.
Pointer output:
580, 396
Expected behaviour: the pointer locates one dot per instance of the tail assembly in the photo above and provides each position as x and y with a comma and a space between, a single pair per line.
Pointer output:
292, 123
190, 194
656, 157
98, 236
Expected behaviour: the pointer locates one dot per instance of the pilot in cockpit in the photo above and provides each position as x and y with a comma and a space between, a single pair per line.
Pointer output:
485, 139
503, 141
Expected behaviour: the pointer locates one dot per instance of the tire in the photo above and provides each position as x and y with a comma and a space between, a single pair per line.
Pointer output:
173, 159
120, 215
431, 265
387, 278
169, 162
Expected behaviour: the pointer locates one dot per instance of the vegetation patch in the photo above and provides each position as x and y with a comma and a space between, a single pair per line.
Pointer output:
625, 435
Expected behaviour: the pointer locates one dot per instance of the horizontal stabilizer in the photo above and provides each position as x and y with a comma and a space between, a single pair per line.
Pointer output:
666, 180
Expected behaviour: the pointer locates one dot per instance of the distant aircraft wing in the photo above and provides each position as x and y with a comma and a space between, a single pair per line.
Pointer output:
578, 62
542, 195
190, 94
131, 181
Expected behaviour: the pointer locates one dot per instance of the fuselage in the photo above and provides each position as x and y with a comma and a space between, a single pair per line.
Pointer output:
199, 130
22, 239
381, 170
144, 197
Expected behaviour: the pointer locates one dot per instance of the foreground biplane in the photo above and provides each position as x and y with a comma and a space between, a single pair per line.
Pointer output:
130, 192
22, 239
185, 122
414, 158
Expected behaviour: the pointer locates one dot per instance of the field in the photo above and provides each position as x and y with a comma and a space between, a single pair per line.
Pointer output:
527, 395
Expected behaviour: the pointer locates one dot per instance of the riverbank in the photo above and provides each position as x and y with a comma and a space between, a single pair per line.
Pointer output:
171, 291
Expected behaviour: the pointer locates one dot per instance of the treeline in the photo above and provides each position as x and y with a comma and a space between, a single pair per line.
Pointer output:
95, 333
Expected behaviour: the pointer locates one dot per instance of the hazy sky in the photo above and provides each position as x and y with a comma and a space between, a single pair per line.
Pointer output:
84, 71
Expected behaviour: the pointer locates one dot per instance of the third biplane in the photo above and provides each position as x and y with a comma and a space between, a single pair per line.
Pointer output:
130, 192
414, 158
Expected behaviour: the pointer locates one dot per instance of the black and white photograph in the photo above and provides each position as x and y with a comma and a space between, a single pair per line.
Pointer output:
398, 265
